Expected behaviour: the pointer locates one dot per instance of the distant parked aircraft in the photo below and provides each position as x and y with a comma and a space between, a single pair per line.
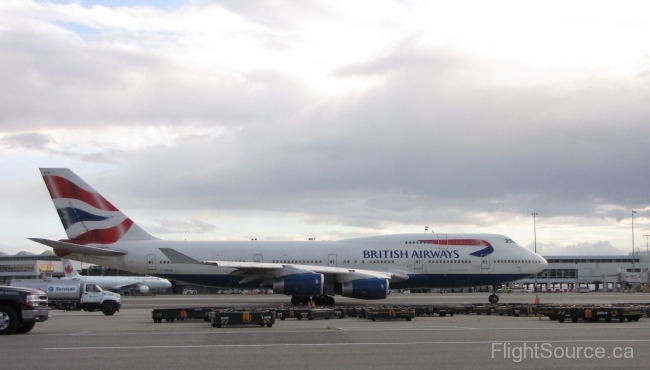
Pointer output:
140, 284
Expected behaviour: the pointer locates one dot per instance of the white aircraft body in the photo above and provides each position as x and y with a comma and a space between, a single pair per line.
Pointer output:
362, 268
140, 284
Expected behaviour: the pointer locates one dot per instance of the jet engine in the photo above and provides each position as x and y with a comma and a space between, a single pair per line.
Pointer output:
374, 288
142, 289
299, 285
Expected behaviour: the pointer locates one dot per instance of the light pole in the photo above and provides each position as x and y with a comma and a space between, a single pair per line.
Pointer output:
535, 233
646, 242
633, 212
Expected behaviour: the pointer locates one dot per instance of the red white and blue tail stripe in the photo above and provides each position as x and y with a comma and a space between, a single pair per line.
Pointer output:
87, 217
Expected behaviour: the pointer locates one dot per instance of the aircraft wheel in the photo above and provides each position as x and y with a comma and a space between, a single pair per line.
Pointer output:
329, 301
295, 300
493, 298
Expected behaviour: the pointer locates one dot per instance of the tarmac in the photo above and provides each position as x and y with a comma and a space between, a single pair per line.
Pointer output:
130, 339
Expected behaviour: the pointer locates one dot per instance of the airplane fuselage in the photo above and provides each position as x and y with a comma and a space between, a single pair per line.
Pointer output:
429, 260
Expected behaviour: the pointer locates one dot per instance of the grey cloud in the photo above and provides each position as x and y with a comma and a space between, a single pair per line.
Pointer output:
27, 140
181, 227
439, 140
49, 80
266, 13
39, 142
407, 151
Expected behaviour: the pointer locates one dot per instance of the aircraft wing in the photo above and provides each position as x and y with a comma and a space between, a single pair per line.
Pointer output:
255, 270
63, 249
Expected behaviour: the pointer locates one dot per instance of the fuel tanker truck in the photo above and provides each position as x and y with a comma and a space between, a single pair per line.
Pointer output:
74, 295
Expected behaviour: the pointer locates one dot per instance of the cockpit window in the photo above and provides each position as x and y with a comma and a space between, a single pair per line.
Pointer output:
509, 241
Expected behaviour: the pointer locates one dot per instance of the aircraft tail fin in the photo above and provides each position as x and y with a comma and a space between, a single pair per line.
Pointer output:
87, 217
69, 269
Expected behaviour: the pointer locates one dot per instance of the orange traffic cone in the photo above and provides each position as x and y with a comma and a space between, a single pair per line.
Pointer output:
536, 299
281, 304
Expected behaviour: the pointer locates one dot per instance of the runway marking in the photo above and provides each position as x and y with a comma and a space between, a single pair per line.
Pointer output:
353, 344
350, 329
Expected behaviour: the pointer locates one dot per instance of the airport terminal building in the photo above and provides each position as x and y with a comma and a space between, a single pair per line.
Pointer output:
25, 265
603, 272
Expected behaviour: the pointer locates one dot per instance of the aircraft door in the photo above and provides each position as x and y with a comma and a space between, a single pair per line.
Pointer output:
151, 261
332, 260
442, 241
417, 263
258, 258
485, 263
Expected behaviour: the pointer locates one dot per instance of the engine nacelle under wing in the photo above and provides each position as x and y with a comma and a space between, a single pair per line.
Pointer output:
142, 289
374, 288
299, 285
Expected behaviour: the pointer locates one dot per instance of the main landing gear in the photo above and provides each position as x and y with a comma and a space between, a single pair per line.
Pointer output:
493, 298
323, 300
297, 301
319, 300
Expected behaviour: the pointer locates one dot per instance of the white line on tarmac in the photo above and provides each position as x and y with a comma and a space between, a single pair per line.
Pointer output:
355, 344
351, 329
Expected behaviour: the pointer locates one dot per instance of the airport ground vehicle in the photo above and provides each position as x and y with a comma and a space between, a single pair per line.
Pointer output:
189, 291
74, 295
505, 290
21, 309
584, 289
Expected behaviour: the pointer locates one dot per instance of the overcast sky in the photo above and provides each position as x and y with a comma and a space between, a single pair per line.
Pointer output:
285, 120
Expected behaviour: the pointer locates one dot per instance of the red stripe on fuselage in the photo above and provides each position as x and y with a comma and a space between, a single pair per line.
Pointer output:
61, 188
458, 242
103, 236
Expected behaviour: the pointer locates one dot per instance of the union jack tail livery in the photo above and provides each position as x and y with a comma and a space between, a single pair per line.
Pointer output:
87, 217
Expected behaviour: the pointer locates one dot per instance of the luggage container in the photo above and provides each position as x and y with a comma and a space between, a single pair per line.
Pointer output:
306, 313
218, 318
172, 314
593, 313
390, 313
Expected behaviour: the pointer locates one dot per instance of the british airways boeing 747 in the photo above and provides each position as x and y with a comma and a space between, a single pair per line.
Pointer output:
362, 268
